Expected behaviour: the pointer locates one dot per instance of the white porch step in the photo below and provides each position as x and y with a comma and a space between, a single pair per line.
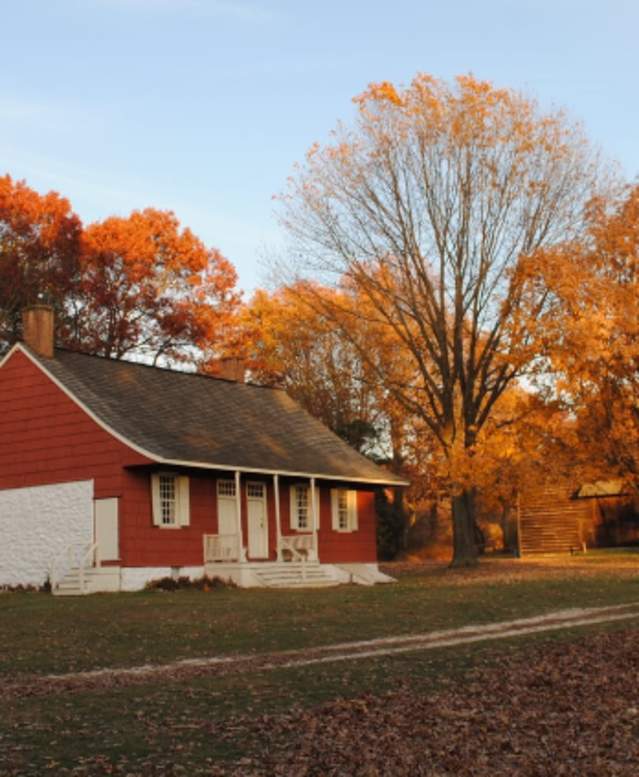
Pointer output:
95, 579
69, 585
293, 575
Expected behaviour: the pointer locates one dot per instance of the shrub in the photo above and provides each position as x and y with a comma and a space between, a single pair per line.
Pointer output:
183, 582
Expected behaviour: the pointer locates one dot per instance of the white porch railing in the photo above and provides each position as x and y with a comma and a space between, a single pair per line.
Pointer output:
226, 547
80, 556
297, 547
221, 547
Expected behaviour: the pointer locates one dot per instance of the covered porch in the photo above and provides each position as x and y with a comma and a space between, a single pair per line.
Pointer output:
278, 531
244, 522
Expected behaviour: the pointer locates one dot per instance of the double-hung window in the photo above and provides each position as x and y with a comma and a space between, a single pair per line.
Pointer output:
344, 510
302, 509
171, 503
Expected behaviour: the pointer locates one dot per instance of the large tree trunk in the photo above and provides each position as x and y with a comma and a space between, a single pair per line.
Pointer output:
465, 551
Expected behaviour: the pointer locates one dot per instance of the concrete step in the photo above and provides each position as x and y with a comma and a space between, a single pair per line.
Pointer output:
301, 584
295, 575
283, 578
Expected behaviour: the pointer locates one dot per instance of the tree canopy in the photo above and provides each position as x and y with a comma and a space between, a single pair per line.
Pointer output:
39, 252
426, 207
127, 286
590, 331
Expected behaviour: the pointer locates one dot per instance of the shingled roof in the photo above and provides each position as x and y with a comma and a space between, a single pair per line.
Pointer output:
186, 418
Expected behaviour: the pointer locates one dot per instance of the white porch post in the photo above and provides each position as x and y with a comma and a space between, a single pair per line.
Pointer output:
314, 519
278, 517
238, 510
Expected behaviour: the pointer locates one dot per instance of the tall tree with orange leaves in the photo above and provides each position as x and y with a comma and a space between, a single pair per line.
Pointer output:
39, 252
291, 344
590, 330
426, 206
150, 288
139, 285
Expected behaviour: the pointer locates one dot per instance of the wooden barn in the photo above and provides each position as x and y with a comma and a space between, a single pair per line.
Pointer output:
565, 519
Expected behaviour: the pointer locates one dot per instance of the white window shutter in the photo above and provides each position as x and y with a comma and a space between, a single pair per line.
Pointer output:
352, 510
183, 500
335, 509
155, 500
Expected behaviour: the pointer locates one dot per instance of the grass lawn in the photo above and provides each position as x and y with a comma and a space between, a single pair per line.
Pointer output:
172, 725
43, 634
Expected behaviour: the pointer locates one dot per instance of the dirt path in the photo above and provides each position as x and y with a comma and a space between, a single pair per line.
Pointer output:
344, 651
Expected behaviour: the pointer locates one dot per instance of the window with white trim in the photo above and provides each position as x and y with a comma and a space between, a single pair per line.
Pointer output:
301, 508
171, 500
168, 500
226, 488
344, 510
301, 513
255, 490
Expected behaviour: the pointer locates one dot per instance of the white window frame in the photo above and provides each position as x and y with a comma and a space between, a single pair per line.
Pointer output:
256, 489
226, 488
182, 505
295, 522
344, 510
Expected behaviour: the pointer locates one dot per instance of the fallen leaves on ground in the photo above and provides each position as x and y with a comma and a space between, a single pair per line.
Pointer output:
559, 709
564, 709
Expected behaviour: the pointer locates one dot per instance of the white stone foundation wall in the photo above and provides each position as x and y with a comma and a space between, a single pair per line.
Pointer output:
135, 578
39, 523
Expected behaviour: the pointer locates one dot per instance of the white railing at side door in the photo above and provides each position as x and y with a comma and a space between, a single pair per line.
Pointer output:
75, 555
221, 547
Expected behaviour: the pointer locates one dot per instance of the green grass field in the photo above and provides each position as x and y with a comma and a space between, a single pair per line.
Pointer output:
178, 722
43, 634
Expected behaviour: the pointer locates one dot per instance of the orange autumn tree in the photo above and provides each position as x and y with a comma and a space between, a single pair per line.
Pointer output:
590, 331
139, 285
150, 288
289, 343
39, 241
425, 206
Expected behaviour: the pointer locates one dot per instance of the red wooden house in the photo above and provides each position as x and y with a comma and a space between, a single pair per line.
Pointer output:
114, 473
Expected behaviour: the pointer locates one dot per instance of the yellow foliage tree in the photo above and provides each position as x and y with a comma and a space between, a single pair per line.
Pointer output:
424, 208
589, 331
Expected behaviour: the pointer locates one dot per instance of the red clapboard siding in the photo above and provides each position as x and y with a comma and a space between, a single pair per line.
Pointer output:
46, 438
152, 546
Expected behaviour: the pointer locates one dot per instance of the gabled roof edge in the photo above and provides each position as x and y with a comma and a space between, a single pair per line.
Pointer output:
15, 347
177, 462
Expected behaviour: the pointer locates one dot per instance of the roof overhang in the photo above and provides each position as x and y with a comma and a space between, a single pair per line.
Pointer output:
158, 459
385, 482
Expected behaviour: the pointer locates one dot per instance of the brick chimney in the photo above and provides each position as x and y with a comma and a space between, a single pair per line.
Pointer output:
38, 329
231, 368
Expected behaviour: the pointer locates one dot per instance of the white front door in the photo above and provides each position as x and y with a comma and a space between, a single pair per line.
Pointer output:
226, 516
226, 507
257, 520
106, 529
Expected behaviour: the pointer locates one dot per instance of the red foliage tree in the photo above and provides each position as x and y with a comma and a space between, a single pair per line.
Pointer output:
39, 242
147, 286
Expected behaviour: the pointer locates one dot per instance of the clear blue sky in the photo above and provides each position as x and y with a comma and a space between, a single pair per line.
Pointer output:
203, 106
